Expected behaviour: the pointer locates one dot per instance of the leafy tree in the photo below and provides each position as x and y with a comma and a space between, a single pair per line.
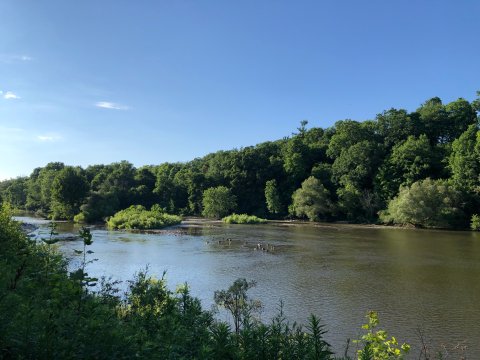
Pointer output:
461, 115
411, 160
99, 206
323, 172
357, 164
295, 159
218, 202
358, 205
16, 192
395, 126
236, 301
119, 179
142, 193
39, 195
69, 189
464, 161
272, 197
348, 133
33, 191
434, 118
192, 181
170, 195
312, 200
476, 103
427, 203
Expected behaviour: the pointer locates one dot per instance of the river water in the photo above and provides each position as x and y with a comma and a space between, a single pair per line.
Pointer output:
415, 279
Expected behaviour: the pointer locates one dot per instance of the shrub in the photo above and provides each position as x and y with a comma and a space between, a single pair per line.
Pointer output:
475, 223
427, 203
137, 217
243, 219
376, 344
79, 218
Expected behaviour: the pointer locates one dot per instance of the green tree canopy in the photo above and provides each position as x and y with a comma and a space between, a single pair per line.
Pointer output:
357, 164
69, 189
427, 203
218, 202
412, 160
395, 126
464, 161
312, 200
272, 197
348, 133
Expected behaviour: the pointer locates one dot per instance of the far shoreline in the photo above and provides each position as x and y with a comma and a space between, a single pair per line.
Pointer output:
189, 222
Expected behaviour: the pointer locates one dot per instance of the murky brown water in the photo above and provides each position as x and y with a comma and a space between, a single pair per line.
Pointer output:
413, 278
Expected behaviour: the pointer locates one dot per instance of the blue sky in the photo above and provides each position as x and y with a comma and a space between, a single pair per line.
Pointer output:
98, 81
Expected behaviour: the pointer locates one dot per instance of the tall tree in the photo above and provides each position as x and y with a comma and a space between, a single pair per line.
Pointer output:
69, 189
464, 161
312, 200
218, 202
411, 160
272, 197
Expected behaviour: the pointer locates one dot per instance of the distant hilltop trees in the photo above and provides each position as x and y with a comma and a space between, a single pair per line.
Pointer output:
351, 171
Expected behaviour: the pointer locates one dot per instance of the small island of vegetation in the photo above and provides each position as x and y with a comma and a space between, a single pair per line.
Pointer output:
136, 217
243, 219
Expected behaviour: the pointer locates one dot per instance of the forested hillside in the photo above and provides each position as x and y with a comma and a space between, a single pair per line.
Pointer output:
419, 168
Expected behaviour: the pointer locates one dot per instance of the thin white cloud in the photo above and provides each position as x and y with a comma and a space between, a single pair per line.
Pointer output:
9, 129
111, 105
49, 137
9, 58
10, 95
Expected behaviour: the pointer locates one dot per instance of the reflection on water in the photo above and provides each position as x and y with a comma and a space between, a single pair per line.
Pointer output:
413, 278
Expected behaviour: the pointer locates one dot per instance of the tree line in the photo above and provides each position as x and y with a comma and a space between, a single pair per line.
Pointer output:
420, 168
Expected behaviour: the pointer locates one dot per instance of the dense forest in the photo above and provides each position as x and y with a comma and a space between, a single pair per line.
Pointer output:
416, 168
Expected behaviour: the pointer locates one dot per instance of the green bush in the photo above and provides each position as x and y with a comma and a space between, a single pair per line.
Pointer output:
427, 203
79, 218
377, 345
475, 222
243, 219
138, 218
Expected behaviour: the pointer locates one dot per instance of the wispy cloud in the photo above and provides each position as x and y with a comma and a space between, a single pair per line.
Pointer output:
49, 137
12, 58
111, 105
9, 95
10, 129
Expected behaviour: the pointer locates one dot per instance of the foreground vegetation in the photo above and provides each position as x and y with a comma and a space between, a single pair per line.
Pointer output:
48, 313
243, 219
351, 171
139, 218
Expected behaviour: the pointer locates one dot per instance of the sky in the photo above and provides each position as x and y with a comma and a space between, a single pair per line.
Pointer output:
99, 81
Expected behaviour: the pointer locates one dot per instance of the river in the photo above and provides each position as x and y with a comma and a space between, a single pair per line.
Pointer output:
414, 279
